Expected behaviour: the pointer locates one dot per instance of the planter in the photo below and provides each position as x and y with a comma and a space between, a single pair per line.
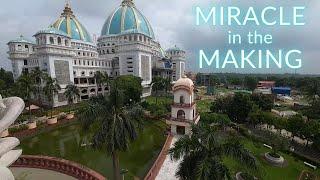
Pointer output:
70, 116
278, 161
32, 125
239, 177
5, 133
51, 121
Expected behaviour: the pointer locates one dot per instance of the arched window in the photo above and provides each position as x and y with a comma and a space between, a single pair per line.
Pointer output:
181, 114
85, 91
181, 100
66, 42
51, 40
59, 40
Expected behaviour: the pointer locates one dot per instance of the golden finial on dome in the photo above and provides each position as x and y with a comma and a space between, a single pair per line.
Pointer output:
67, 9
128, 2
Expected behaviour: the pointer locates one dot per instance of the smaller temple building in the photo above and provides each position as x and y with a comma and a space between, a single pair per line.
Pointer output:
183, 109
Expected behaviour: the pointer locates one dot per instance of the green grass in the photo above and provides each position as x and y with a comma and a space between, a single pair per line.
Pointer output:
159, 100
266, 171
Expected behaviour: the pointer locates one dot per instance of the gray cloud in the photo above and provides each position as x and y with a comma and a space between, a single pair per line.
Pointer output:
173, 22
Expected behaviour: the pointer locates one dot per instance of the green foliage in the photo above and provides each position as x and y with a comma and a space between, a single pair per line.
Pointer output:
72, 93
265, 102
247, 176
130, 87
250, 82
295, 125
213, 118
202, 154
239, 108
114, 121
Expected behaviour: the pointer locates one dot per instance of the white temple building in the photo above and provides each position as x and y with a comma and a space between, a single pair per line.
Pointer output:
184, 109
67, 52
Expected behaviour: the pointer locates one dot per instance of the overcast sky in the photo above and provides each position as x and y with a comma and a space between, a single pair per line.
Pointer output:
173, 22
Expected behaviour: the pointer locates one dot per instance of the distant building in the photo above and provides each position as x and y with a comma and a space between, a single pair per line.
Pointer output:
183, 111
126, 46
265, 91
266, 84
281, 91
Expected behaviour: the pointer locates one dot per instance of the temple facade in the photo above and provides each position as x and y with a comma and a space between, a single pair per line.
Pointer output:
126, 46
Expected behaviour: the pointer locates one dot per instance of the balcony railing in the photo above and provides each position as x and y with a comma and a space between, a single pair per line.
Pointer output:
183, 105
185, 120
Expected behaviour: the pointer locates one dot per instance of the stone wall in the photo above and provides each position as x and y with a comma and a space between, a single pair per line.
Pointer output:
75, 170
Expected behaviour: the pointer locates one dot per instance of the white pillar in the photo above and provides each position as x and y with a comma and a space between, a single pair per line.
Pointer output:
173, 129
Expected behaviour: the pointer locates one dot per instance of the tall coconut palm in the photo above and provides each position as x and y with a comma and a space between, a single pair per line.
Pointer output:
114, 123
72, 93
157, 85
50, 89
37, 77
26, 88
101, 79
202, 154
167, 84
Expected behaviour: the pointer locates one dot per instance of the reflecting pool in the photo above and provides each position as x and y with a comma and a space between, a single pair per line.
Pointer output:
69, 143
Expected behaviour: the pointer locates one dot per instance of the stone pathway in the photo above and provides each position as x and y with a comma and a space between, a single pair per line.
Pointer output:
33, 174
169, 166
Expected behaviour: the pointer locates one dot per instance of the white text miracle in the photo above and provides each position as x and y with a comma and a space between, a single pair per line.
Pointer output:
242, 55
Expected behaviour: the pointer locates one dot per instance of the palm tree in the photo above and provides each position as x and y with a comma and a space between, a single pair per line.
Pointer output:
26, 88
50, 89
202, 154
167, 85
157, 85
37, 76
117, 123
72, 93
101, 79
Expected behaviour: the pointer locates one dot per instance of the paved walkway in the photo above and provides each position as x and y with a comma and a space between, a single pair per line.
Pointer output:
169, 167
37, 174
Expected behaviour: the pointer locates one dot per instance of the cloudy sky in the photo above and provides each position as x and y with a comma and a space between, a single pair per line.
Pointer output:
173, 22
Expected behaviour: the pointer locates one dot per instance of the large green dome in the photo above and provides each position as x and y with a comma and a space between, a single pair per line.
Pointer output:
69, 24
127, 19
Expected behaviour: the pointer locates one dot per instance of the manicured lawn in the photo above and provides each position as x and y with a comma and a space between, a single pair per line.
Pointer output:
266, 171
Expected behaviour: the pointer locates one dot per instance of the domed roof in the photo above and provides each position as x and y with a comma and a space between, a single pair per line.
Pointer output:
52, 30
69, 24
175, 48
21, 39
127, 19
183, 82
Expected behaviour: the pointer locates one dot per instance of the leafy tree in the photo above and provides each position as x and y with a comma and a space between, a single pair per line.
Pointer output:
220, 105
239, 107
101, 79
310, 130
131, 87
264, 102
114, 122
26, 88
277, 143
213, 118
37, 77
295, 125
213, 80
250, 82
202, 154
50, 89
167, 85
312, 90
72, 93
